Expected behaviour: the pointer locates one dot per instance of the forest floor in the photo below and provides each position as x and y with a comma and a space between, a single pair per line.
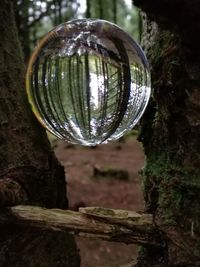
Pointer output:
105, 176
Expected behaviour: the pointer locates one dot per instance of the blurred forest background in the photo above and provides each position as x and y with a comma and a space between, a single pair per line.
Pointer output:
35, 18
106, 175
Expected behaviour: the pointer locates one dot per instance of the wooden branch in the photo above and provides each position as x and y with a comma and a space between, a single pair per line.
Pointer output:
11, 193
107, 224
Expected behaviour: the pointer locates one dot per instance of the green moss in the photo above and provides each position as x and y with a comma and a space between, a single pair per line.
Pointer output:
103, 211
172, 189
171, 177
111, 173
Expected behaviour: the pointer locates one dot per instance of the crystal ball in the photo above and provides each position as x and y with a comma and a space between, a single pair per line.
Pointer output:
88, 82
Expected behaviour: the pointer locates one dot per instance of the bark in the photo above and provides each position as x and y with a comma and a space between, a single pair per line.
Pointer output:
170, 130
29, 171
11, 193
21, 19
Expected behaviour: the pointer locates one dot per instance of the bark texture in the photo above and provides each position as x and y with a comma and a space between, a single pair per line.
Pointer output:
29, 171
171, 129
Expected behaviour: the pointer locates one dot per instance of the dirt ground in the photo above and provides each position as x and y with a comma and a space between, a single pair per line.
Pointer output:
84, 189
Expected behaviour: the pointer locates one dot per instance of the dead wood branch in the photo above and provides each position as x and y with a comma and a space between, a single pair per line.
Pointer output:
107, 224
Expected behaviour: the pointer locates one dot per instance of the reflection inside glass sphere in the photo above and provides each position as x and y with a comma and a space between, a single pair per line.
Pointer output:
88, 82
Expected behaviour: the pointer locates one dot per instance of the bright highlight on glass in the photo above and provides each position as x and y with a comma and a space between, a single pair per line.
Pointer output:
88, 82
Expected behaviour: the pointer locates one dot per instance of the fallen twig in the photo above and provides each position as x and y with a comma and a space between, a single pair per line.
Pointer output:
107, 224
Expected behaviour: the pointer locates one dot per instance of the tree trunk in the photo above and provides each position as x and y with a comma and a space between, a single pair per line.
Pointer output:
171, 129
29, 171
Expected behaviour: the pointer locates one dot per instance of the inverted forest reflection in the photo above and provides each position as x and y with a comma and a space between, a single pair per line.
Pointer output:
88, 82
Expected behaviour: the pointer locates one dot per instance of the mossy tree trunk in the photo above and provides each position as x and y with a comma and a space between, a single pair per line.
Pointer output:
171, 130
29, 171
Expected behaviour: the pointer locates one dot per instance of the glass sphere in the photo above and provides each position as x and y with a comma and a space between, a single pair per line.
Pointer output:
88, 82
